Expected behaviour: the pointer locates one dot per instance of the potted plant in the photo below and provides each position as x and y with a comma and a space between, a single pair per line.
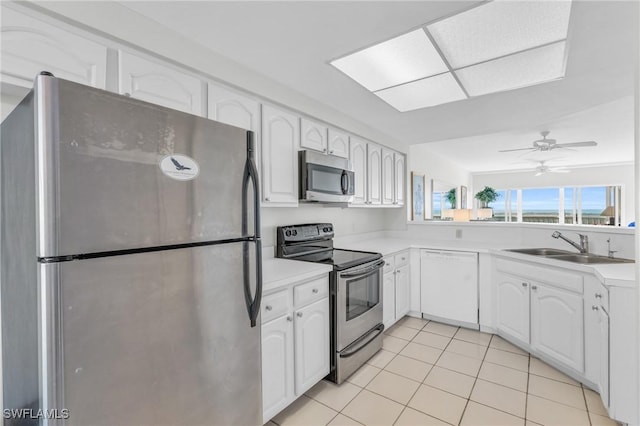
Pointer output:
486, 196
451, 197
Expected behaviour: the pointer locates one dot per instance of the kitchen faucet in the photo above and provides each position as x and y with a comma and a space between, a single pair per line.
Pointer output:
584, 241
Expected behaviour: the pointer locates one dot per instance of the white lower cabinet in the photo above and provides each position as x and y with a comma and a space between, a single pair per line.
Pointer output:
512, 306
277, 365
541, 308
295, 342
557, 324
395, 288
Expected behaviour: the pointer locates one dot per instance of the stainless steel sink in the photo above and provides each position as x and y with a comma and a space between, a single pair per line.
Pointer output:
589, 258
540, 251
567, 256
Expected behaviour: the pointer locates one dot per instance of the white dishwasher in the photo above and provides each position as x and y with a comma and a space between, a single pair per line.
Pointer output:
449, 286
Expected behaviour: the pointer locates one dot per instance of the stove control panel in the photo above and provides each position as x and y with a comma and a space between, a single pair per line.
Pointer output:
305, 232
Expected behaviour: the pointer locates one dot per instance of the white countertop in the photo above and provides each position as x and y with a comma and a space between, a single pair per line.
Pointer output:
622, 274
277, 273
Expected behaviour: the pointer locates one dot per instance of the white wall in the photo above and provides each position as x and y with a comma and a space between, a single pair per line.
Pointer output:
622, 174
346, 221
422, 159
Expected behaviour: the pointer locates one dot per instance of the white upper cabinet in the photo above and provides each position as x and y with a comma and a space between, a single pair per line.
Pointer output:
280, 142
229, 107
400, 173
338, 143
388, 175
318, 137
159, 84
358, 155
30, 46
374, 174
313, 135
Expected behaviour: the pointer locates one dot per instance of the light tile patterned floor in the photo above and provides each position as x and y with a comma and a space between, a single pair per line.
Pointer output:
430, 373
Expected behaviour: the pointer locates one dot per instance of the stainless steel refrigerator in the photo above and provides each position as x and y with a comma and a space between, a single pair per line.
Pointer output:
131, 263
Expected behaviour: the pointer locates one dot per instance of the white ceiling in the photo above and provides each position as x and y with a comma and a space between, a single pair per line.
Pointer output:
293, 42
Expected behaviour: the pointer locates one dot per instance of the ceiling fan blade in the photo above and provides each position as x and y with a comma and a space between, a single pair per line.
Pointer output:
539, 173
517, 149
559, 170
576, 144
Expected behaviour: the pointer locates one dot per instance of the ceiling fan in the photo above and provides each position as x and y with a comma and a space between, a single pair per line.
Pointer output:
542, 169
545, 144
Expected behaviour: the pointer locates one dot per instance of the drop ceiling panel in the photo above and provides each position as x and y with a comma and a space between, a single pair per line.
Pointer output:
424, 93
402, 59
499, 28
511, 72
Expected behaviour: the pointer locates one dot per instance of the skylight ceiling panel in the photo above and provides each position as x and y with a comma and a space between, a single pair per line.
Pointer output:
500, 28
402, 59
431, 91
511, 72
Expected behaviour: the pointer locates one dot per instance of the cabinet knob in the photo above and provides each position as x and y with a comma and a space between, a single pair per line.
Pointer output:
524, 284
314, 291
404, 258
324, 149
331, 152
397, 271
534, 287
268, 307
289, 318
598, 296
299, 314
595, 308
266, 198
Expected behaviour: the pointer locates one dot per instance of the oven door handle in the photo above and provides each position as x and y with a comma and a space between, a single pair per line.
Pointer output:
363, 272
362, 342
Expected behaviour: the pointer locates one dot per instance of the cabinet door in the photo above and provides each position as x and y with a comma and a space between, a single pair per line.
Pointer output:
512, 306
30, 46
388, 177
400, 176
311, 344
159, 84
603, 380
374, 174
388, 299
338, 143
313, 135
358, 155
402, 291
557, 324
277, 366
280, 141
233, 108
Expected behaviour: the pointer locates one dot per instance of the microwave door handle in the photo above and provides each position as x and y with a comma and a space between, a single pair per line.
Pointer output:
344, 182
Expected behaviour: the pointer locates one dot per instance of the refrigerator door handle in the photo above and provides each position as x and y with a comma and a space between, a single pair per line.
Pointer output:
251, 174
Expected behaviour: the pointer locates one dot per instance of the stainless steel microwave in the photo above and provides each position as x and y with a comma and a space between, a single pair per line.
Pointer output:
325, 178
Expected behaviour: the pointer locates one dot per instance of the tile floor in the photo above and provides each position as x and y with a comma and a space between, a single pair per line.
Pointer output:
430, 373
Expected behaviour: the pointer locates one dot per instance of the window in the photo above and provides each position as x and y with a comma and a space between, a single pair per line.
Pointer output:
586, 205
541, 205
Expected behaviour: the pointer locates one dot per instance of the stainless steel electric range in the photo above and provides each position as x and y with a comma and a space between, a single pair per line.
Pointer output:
355, 293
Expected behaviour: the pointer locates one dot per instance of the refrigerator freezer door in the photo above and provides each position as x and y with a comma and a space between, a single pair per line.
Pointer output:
158, 338
117, 173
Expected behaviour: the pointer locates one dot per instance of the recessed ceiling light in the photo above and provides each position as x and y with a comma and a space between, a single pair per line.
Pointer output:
402, 59
436, 90
511, 72
500, 28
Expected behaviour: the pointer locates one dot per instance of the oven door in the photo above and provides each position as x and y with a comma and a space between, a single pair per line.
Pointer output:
358, 302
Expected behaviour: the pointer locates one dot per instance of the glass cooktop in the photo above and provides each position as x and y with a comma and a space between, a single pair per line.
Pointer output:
340, 259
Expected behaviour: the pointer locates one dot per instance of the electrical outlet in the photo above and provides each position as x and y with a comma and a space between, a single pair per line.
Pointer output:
458, 233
